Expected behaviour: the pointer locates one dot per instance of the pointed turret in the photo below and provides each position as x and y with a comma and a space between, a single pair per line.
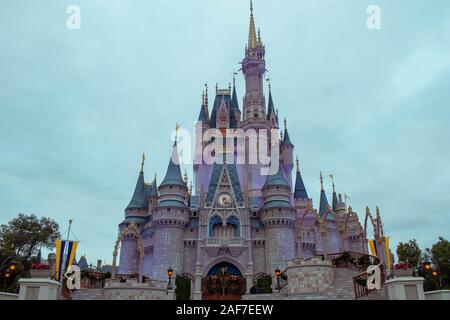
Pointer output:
335, 198
234, 99
252, 40
323, 206
253, 68
276, 179
271, 114
203, 116
138, 200
300, 190
286, 138
173, 174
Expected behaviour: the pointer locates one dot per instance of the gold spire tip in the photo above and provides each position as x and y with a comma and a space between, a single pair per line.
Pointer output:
143, 161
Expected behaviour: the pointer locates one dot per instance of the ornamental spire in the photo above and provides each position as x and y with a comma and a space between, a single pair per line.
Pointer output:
321, 181
298, 167
143, 160
252, 40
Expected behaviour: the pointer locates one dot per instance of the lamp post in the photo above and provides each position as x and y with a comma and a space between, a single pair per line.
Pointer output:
435, 271
278, 274
10, 270
170, 274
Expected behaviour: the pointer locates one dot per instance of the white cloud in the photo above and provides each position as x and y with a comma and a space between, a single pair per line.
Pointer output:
419, 70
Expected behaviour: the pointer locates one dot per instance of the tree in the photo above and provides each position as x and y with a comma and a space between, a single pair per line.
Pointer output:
409, 252
24, 235
441, 255
21, 238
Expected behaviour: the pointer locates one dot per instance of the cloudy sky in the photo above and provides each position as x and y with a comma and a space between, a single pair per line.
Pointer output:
78, 107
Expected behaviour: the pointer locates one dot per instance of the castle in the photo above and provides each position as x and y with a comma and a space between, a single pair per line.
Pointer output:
233, 216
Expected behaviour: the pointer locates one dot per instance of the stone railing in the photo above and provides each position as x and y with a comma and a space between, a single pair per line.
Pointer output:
223, 242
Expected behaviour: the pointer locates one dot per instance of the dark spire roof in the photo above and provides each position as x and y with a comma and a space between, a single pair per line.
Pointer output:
234, 99
300, 190
138, 199
335, 198
173, 174
286, 139
203, 116
323, 206
271, 108
276, 179
335, 202
152, 189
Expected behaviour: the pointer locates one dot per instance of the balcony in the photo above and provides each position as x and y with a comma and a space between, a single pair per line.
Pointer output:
224, 242
232, 246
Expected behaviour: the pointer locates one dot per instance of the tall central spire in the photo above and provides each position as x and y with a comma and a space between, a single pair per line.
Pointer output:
252, 40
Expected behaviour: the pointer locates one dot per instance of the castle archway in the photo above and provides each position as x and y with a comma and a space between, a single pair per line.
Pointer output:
224, 280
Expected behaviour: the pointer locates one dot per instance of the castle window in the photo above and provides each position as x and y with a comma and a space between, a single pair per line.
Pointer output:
191, 230
256, 230
195, 214
254, 214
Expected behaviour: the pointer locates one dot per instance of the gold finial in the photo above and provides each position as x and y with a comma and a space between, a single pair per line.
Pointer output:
206, 99
143, 160
321, 181
285, 124
259, 36
185, 176
298, 166
332, 181
217, 87
252, 42
281, 135
234, 79
268, 81
155, 178
177, 127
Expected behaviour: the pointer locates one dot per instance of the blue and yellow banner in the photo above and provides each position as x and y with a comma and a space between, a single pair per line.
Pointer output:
60, 246
388, 255
64, 258
373, 247
70, 255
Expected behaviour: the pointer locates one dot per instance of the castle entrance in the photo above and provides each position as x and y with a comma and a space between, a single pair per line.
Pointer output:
224, 281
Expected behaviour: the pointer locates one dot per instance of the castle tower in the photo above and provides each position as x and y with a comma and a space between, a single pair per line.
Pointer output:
254, 67
136, 212
287, 155
278, 217
271, 114
169, 219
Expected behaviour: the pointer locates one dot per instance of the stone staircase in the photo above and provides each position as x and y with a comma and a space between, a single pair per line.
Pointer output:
88, 294
342, 289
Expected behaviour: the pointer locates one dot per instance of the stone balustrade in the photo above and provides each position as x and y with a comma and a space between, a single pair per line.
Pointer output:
309, 276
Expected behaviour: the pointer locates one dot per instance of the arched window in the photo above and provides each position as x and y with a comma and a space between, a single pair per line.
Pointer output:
214, 223
234, 226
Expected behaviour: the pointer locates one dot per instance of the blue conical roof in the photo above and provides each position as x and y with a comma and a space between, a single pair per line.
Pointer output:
138, 199
203, 116
335, 201
286, 139
276, 179
323, 206
234, 101
173, 174
300, 190
271, 108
